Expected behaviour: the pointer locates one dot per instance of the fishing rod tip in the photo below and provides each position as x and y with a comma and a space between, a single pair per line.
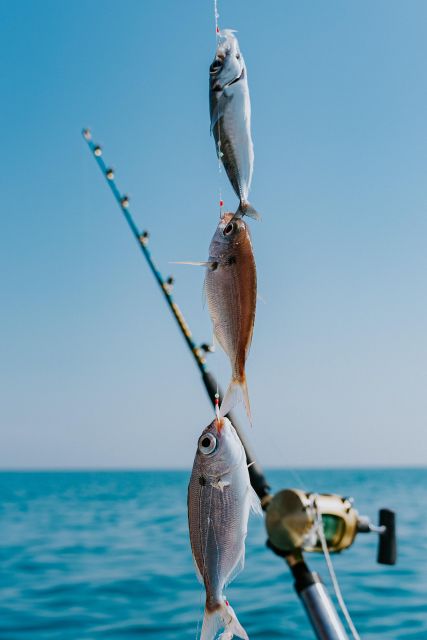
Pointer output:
87, 134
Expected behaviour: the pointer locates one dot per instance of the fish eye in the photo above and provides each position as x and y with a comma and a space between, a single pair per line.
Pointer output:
238, 56
229, 229
207, 444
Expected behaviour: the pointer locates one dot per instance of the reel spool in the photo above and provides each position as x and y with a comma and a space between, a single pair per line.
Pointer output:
292, 516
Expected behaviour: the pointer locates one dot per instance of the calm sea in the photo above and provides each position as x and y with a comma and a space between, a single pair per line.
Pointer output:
106, 555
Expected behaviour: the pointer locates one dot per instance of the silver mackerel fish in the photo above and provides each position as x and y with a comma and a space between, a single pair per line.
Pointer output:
230, 111
220, 497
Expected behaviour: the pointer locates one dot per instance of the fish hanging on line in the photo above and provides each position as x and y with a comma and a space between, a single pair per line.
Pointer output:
230, 112
220, 497
231, 294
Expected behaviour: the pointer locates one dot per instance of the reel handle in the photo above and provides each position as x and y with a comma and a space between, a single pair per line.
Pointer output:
387, 549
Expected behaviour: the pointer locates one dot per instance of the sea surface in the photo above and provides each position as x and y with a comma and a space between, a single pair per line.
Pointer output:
106, 555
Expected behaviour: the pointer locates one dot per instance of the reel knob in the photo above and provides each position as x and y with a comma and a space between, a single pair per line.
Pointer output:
387, 548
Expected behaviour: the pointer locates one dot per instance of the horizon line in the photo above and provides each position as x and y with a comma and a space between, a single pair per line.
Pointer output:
106, 469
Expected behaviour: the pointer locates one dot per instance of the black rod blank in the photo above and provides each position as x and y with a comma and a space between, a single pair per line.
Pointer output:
256, 474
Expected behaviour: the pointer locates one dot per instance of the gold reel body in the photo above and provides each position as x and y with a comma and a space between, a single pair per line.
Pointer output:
292, 521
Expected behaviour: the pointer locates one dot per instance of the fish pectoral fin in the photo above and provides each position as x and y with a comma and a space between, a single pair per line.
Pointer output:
255, 501
238, 567
220, 484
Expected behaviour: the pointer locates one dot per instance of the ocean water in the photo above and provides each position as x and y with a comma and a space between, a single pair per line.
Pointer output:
106, 555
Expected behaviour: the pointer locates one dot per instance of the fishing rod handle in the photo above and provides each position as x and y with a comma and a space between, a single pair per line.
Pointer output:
317, 603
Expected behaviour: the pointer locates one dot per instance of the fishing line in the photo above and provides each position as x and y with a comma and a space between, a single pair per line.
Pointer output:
216, 19
200, 616
217, 404
215, 370
217, 553
219, 152
336, 586
202, 572
220, 200
205, 548
297, 477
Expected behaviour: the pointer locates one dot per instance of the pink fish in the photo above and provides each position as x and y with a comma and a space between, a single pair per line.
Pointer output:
231, 292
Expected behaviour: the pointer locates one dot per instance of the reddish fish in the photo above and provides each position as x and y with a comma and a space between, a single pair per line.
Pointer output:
231, 292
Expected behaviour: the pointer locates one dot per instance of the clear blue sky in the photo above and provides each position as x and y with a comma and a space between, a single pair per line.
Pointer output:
93, 372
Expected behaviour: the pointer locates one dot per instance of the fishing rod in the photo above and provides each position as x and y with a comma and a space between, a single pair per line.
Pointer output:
297, 522
256, 474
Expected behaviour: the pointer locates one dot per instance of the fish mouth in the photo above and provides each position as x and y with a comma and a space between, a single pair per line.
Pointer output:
215, 66
226, 218
219, 423
217, 63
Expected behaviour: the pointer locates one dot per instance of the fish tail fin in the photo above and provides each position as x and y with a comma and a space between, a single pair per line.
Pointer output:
246, 209
212, 622
236, 387
231, 398
245, 393
223, 617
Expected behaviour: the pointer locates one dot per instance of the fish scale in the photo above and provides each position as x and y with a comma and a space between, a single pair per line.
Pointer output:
218, 544
227, 143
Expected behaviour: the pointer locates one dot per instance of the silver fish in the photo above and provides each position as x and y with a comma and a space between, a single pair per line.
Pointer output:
220, 497
230, 111
231, 293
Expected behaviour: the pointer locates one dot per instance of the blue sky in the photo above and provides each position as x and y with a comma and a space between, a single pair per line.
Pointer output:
93, 372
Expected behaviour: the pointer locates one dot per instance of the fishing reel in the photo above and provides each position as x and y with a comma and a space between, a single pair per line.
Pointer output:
297, 521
